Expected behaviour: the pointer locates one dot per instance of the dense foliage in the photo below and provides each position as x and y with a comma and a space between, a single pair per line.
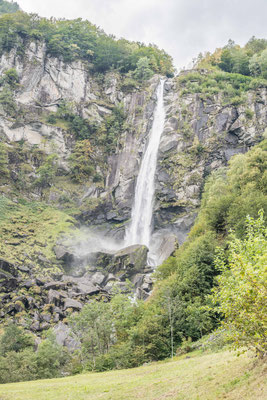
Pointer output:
232, 194
242, 290
231, 87
251, 60
4, 171
20, 362
78, 39
7, 7
186, 280
229, 196
8, 84
104, 330
181, 307
196, 289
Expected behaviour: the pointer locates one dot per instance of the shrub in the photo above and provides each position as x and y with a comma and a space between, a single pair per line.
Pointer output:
7, 7
20, 362
14, 339
50, 358
249, 113
47, 172
8, 103
81, 161
128, 85
18, 366
11, 77
143, 71
4, 170
242, 290
51, 119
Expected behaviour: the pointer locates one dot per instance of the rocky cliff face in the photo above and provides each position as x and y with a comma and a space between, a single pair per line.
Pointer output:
201, 134
44, 82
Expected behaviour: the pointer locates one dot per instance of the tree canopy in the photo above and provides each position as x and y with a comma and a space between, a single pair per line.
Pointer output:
80, 39
242, 290
7, 7
250, 60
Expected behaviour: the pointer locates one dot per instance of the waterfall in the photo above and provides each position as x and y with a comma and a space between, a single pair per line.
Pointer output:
139, 231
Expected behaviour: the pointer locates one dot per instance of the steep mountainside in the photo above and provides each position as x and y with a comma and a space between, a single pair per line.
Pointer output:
71, 145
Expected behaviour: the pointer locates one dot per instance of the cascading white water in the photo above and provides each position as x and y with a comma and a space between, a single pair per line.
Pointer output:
139, 231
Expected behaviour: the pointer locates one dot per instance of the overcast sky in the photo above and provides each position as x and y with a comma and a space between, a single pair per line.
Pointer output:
184, 28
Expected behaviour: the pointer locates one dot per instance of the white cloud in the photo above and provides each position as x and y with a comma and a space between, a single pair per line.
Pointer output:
182, 27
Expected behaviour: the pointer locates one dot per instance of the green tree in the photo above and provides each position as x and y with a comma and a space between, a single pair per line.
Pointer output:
94, 327
143, 70
254, 65
240, 62
235, 59
50, 358
263, 63
20, 362
7, 7
18, 366
4, 170
47, 172
105, 332
14, 339
81, 161
11, 77
226, 62
125, 314
255, 45
242, 290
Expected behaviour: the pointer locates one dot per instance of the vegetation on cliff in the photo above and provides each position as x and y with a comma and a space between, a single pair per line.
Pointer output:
250, 60
231, 72
81, 40
196, 289
232, 87
43, 189
229, 196
181, 306
30, 231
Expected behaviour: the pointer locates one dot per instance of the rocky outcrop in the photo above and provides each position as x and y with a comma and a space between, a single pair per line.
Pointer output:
47, 302
109, 269
43, 301
64, 336
43, 83
201, 134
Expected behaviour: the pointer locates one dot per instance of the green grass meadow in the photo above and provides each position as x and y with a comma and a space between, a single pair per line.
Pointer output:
211, 376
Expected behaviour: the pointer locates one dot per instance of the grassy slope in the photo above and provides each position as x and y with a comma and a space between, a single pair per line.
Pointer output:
211, 376
29, 229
